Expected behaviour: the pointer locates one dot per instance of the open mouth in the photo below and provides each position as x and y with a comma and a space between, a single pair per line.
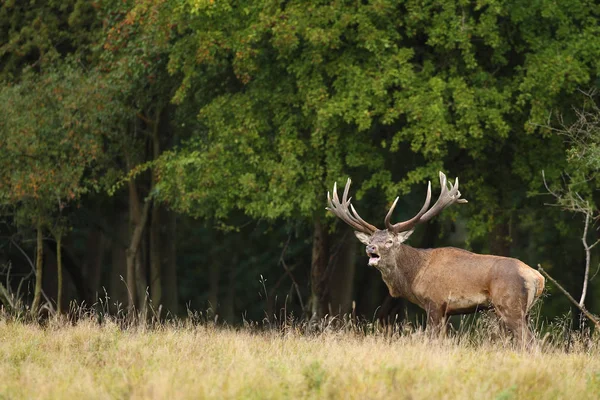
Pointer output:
373, 259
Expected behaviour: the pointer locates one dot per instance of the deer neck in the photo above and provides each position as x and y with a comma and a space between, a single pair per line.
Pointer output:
399, 277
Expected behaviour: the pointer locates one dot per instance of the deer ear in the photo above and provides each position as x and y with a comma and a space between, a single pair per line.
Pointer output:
363, 237
403, 236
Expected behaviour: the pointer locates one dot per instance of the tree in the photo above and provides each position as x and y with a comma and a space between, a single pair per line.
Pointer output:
575, 192
52, 130
135, 54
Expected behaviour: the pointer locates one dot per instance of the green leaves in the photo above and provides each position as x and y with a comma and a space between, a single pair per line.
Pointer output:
52, 133
295, 96
40, 33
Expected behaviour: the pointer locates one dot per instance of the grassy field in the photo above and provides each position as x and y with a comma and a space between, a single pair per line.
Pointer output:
88, 361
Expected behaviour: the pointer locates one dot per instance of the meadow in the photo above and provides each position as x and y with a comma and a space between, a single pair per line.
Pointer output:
196, 361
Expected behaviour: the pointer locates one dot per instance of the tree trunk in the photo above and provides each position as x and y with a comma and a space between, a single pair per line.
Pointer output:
155, 258
500, 239
39, 266
228, 306
131, 284
342, 274
119, 293
141, 279
133, 246
94, 256
214, 275
170, 297
59, 273
138, 222
73, 269
588, 255
319, 275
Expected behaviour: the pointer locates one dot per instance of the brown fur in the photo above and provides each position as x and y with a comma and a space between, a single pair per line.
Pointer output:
448, 281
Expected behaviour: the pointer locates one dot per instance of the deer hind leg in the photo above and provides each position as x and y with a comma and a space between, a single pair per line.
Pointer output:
516, 322
511, 298
514, 316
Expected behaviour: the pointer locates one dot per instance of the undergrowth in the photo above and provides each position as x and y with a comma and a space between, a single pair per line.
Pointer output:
104, 351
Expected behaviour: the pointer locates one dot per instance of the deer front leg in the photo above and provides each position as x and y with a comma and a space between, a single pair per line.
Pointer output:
436, 321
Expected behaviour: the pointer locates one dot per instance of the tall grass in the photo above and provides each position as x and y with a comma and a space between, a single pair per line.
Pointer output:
348, 359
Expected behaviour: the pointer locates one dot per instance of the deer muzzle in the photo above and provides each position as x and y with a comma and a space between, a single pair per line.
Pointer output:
373, 254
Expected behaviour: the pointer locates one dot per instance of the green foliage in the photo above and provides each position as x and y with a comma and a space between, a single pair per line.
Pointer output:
135, 51
39, 33
52, 130
135, 47
299, 95
583, 135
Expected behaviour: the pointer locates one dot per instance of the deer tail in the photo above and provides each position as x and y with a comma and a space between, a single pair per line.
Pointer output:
540, 284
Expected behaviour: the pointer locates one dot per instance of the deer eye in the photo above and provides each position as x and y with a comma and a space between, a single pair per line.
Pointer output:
390, 241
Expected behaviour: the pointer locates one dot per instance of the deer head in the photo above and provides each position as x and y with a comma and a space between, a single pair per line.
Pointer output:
383, 245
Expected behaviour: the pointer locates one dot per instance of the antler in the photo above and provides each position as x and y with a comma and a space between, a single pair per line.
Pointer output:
349, 216
407, 225
447, 197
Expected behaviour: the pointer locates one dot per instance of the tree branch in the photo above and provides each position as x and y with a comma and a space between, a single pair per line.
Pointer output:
32, 265
587, 258
289, 272
589, 315
137, 233
594, 245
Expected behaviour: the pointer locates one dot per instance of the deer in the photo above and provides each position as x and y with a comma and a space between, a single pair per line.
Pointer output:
444, 281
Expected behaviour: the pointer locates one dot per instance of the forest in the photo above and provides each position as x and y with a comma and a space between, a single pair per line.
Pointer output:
173, 158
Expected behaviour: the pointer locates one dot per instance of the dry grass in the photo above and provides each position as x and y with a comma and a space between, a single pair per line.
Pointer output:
88, 361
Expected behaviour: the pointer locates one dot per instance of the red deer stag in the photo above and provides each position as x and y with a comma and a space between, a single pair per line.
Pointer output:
447, 280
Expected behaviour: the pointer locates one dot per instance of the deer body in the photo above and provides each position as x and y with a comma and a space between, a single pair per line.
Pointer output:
473, 281
445, 281
449, 281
